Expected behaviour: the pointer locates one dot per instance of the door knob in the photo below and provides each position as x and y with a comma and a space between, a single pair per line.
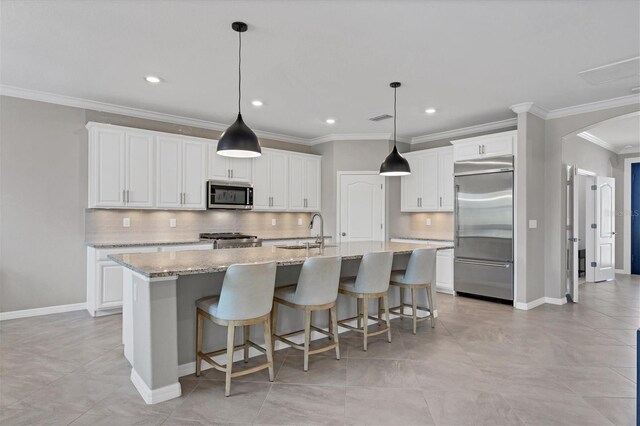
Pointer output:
344, 234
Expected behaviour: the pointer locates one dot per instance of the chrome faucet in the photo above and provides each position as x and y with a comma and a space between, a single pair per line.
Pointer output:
321, 236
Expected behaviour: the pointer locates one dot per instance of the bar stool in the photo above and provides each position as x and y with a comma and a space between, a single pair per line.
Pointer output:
419, 274
317, 290
245, 299
371, 282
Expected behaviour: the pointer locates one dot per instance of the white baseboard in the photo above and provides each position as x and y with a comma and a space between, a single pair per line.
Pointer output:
540, 301
621, 271
42, 311
154, 396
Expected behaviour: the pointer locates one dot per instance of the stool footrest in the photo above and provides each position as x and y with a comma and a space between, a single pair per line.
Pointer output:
283, 338
361, 330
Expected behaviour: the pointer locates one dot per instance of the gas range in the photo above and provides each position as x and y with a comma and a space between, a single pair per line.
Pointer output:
231, 240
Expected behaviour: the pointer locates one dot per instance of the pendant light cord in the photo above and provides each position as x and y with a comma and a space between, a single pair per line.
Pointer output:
239, 69
395, 89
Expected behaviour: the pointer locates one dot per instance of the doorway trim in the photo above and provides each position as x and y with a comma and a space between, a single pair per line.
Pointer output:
590, 234
339, 207
627, 215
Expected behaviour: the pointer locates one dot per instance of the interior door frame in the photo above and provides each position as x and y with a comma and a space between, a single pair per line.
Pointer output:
339, 206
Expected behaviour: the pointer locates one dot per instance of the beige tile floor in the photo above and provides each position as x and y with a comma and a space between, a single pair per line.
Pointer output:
484, 363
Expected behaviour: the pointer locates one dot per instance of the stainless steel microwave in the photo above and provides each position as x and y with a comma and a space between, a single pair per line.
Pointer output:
225, 195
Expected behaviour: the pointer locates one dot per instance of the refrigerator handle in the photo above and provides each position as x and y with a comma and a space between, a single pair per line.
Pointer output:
455, 210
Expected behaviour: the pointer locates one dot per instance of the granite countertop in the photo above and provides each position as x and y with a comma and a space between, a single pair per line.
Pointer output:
450, 240
189, 262
103, 245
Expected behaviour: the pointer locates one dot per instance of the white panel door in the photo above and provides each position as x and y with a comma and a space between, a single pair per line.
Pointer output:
169, 172
139, 169
218, 165
240, 169
194, 156
261, 192
412, 185
605, 231
109, 168
297, 176
430, 200
361, 208
312, 176
573, 224
445, 177
109, 289
278, 180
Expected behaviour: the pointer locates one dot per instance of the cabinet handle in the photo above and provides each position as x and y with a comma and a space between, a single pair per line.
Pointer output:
479, 149
231, 173
124, 198
440, 201
128, 192
483, 149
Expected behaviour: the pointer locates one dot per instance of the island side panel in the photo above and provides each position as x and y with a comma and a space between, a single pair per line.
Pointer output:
155, 338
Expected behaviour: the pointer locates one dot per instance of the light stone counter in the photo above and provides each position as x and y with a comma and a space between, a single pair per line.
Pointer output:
160, 290
189, 262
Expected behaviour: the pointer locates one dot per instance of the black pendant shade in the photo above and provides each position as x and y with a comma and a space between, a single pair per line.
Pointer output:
239, 140
395, 164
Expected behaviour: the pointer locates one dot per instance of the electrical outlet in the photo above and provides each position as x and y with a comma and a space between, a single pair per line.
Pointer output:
299, 221
428, 221
126, 222
533, 224
273, 222
172, 223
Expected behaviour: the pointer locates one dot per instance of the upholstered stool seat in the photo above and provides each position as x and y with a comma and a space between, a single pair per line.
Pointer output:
372, 282
316, 290
419, 274
245, 299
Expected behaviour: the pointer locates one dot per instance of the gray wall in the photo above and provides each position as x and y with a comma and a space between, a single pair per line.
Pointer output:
43, 196
555, 192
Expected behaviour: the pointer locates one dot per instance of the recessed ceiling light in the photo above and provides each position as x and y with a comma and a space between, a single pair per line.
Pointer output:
635, 89
628, 146
153, 79
256, 103
330, 120
430, 110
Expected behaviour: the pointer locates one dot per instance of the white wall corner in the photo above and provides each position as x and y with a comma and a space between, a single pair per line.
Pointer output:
530, 305
155, 396
532, 108
555, 300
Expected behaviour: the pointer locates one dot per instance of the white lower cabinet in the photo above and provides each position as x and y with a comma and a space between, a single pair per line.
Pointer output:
444, 263
105, 277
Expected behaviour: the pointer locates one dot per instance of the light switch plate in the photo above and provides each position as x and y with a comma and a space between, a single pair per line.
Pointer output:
300, 221
126, 222
533, 224
429, 221
172, 223
273, 222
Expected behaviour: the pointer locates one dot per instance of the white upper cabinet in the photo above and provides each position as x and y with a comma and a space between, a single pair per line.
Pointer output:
228, 169
429, 187
270, 180
304, 182
484, 146
181, 173
121, 164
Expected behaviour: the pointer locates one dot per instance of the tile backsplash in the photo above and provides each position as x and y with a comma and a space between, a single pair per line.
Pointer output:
105, 225
414, 225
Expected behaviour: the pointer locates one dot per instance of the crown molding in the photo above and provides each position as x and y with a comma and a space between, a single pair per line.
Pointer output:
34, 95
495, 125
356, 137
594, 106
531, 108
596, 140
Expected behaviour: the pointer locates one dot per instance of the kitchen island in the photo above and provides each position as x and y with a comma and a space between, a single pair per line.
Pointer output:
160, 290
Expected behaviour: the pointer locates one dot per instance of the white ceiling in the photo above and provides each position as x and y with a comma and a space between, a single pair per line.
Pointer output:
310, 60
620, 135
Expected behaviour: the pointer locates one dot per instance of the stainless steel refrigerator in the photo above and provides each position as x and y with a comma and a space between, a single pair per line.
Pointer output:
484, 227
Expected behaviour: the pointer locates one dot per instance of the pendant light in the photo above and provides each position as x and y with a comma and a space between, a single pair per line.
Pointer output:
395, 164
239, 140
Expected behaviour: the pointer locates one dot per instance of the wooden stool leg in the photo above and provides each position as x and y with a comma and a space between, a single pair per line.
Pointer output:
245, 334
365, 319
414, 307
307, 338
199, 331
379, 312
229, 367
359, 312
330, 325
268, 344
274, 328
334, 321
386, 310
401, 302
